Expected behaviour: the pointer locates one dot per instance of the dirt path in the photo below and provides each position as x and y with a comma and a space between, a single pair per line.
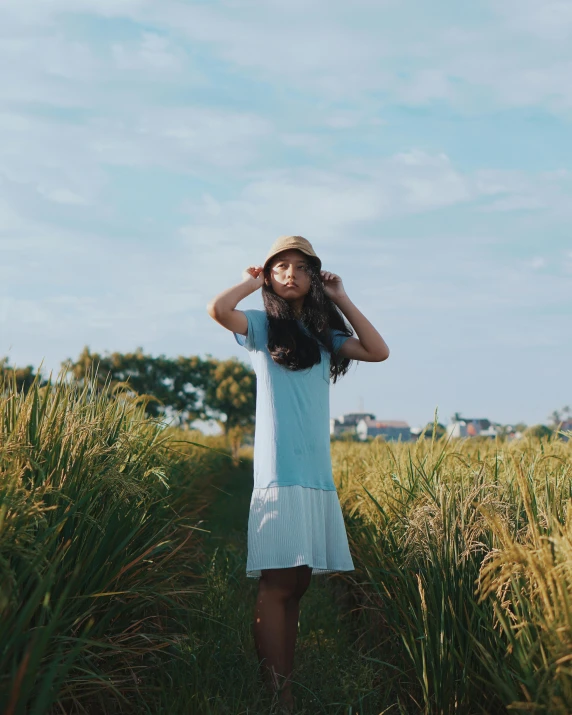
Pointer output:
331, 675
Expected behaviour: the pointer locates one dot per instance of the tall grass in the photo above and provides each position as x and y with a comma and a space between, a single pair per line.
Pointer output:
461, 599
98, 551
464, 570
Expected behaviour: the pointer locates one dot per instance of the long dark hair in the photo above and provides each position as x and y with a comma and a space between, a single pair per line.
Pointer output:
288, 344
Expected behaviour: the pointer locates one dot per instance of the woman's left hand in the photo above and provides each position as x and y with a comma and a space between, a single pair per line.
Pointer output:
333, 286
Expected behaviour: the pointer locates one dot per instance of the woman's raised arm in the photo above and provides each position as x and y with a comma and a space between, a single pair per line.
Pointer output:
369, 346
222, 307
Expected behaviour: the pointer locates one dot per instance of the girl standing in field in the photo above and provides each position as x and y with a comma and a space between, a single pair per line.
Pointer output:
296, 344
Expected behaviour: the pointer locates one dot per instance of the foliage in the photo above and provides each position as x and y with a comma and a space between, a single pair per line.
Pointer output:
174, 383
230, 391
188, 388
22, 377
332, 675
434, 430
464, 570
346, 437
559, 416
98, 554
538, 431
463, 551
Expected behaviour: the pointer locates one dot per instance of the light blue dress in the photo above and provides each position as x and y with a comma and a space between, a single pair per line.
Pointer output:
295, 515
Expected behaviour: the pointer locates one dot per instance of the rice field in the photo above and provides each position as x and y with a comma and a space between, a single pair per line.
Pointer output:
99, 549
122, 584
463, 589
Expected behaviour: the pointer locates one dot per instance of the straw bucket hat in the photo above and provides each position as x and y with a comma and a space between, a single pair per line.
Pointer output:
288, 242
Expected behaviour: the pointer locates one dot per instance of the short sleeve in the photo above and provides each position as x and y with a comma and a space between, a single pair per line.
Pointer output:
338, 338
255, 337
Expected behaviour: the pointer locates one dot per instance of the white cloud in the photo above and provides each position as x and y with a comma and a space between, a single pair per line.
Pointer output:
181, 138
519, 56
31, 13
536, 262
153, 53
66, 164
329, 204
59, 293
77, 105
416, 62
423, 182
567, 262
43, 159
547, 19
522, 191
42, 63
351, 119
62, 196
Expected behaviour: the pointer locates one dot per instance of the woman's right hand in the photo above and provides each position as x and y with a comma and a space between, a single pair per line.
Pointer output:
254, 275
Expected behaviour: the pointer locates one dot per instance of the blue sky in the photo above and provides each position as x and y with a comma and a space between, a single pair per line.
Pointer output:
151, 151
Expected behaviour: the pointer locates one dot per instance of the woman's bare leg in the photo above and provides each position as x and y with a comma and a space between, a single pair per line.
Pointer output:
293, 615
275, 626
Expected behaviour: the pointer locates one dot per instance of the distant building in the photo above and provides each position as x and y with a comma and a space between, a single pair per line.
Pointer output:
390, 430
471, 427
347, 423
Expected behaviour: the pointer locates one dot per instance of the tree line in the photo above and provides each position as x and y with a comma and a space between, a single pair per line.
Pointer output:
182, 389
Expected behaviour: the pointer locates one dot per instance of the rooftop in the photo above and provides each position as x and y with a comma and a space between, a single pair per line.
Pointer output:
387, 423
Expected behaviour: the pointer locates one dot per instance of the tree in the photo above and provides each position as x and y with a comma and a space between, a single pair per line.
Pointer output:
187, 378
559, 416
556, 417
346, 437
189, 388
23, 376
176, 385
538, 431
440, 430
230, 394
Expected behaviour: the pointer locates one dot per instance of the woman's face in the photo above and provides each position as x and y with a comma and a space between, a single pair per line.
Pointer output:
290, 274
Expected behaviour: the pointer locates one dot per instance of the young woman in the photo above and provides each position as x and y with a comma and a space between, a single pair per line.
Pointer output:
297, 343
